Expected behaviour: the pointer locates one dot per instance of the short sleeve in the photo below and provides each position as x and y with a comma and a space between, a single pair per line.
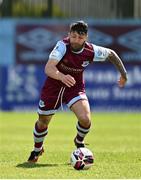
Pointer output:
58, 52
101, 53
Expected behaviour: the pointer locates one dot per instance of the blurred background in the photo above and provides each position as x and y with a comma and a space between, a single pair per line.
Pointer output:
29, 29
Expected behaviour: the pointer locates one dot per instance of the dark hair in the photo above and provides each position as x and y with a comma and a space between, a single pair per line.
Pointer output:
80, 27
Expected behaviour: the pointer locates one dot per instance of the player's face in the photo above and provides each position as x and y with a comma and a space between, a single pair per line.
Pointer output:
77, 40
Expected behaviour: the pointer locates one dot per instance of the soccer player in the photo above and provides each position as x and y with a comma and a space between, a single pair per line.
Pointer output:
65, 84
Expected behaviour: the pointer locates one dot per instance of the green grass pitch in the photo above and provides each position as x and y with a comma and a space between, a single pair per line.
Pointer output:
115, 140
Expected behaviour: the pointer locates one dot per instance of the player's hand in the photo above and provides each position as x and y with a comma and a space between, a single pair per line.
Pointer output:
68, 80
122, 81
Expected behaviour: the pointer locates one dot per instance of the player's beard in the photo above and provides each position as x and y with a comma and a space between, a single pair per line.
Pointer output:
76, 47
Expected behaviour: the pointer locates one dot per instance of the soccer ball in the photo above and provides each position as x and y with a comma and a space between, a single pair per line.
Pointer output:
82, 158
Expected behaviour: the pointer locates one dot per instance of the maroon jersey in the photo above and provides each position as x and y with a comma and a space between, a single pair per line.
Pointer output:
54, 92
74, 63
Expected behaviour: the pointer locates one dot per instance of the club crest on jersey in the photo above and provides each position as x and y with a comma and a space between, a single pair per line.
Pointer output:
41, 103
85, 63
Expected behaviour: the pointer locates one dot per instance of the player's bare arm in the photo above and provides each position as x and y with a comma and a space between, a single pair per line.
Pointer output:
52, 71
115, 59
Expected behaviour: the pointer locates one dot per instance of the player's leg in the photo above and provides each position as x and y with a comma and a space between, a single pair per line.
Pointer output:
48, 106
81, 109
40, 131
46, 110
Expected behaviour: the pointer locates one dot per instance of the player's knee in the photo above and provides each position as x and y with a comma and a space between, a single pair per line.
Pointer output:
85, 120
41, 124
43, 121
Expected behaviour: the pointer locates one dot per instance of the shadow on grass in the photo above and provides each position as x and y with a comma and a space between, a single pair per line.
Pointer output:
36, 165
